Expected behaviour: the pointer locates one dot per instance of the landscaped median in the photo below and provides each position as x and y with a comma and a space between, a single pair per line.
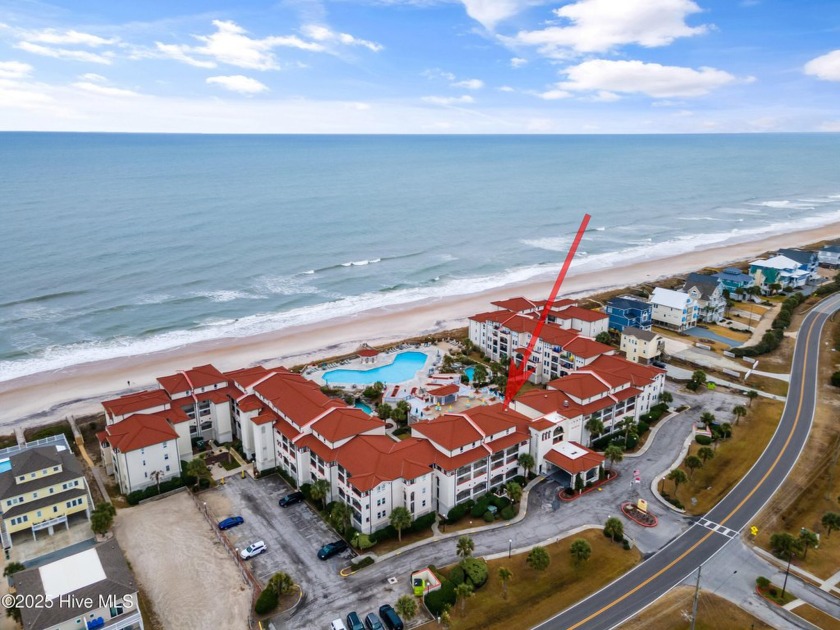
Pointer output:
522, 590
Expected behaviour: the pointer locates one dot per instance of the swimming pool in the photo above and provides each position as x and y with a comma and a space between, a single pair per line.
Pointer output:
469, 372
5, 465
404, 367
363, 407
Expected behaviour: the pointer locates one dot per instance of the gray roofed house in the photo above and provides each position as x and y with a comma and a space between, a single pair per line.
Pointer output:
645, 335
88, 589
807, 260
708, 291
641, 346
829, 256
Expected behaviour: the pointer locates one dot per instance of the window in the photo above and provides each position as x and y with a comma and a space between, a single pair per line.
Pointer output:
143, 452
167, 468
166, 456
165, 444
55, 468
117, 610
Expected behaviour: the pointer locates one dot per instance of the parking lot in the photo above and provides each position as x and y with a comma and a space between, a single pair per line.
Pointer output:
292, 536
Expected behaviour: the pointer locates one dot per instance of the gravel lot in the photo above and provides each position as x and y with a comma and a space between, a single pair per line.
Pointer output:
192, 581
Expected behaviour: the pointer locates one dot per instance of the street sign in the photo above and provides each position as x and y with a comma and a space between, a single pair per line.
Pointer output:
754, 530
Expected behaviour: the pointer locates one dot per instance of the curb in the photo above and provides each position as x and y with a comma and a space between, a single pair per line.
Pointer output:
653, 432
638, 522
654, 485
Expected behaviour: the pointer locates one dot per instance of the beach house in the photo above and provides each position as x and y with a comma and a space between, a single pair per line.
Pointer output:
829, 256
735, 281
641, 346
808, 261
674, 309
42, 488
780, 271
708, 292
91, 588
627, 310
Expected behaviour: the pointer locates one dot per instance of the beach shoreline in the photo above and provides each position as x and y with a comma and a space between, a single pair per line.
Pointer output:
78, 390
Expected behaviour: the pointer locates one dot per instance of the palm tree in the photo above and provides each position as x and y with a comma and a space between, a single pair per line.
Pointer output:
480, 373
406, 607
613, 453
156, 476
786, 547
465, 546
538, 559
830, 520
692, 462
739, 411
505, 575
752, 395
198, 468
698, 377
595, 426
340, 516
807, 538
705, 453
707, 418
580, 550
319, 491
678, 477
726, 430
13, 567
627, 423
400, 519
614, 528
527, 462
463, 592
514, 491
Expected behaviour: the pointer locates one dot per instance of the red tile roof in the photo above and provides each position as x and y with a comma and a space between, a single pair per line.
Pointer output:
344, 422
198, 377
372, 459
515, 304
265, 416
368, 352
446, 390
454, 430
220, 396
587, 461
250, 403
139, 431
587, 348
583, 314
639, 375
246, 377
138, 401
581, 385
296, 397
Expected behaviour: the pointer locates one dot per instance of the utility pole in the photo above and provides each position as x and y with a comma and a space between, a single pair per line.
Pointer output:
696, 595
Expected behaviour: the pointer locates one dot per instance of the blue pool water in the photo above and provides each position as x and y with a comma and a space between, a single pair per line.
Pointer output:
5, 465
404, 367
469, 372
363, 407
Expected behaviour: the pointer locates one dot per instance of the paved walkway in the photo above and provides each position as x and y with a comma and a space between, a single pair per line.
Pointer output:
80, 442
681, 374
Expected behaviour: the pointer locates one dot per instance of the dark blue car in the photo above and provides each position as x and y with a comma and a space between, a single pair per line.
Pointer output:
232, 521
329, 550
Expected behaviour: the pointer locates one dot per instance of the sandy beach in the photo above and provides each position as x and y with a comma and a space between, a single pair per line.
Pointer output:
48, 396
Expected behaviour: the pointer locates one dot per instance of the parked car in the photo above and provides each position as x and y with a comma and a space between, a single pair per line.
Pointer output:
337, 624
330, 549
353, 622
372, 622
291, 499
231, 521
254, 549
390, 617
658, 364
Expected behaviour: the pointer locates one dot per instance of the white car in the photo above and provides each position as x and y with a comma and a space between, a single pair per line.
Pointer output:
254, 549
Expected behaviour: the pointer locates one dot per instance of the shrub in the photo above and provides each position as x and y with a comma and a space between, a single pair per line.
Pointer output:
422, 523
386, 533
306, 489
457, 575
762, 582
508, 513
631, 442
456, 513
520, 479
626, 545
835, 379
481, 506
444, 596
475, 571
703, 440
500, 502
643, 427
489, 517
363, 541
266, 602
361, 564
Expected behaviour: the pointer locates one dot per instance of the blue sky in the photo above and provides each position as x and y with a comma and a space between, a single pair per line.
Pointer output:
420, 66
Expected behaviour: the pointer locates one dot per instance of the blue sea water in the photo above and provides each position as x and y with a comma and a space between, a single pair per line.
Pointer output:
119, 244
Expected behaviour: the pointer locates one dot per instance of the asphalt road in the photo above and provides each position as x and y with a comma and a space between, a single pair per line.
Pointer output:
665, 569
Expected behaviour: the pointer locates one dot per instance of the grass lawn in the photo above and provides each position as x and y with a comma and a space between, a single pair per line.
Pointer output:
389, 545
537, 595
774, 593
673, 610
813, 487
817, 617
733, 457
723, 331
8, 440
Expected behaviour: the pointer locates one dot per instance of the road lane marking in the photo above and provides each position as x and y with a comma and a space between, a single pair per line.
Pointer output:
717, 528
731, 514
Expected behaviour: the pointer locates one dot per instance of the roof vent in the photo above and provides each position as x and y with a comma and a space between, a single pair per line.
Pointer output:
565, 403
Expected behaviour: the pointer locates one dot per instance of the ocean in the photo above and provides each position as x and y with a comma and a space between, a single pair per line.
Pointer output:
118, 244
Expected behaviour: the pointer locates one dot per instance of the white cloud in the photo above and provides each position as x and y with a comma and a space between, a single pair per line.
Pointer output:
437, 73
238, 83
506, 88
601, 25
554, 95
103, 90
490, 12
466, 99
90, 76
359, 107
64, 53
53, 36
517, 62
14, 69
652, 79
825, 67
469, 84
323, 34
231, 45
605, 97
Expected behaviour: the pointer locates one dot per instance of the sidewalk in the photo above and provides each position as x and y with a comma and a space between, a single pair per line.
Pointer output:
682, 374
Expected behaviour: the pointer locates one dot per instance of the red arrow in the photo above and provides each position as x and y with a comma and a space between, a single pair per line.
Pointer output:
519, 374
